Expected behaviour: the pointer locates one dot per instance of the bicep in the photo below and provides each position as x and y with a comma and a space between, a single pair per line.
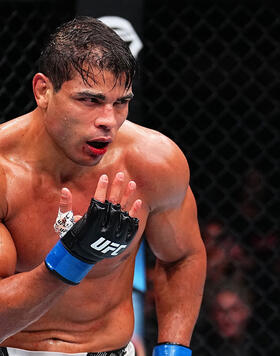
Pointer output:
174, 234
8, 254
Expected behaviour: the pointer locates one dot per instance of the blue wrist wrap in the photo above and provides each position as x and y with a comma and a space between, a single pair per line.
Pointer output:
69, 268
169, 349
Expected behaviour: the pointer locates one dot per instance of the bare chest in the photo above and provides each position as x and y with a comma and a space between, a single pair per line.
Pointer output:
33, 211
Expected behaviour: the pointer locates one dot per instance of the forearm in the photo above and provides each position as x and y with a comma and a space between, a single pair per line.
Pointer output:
25, 297
178, 293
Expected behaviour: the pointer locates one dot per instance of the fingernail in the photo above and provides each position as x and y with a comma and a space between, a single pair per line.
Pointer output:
120, 175
64, 192
104, 178
132, 184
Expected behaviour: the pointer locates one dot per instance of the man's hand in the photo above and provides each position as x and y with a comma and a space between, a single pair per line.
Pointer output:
104, 231
119, 194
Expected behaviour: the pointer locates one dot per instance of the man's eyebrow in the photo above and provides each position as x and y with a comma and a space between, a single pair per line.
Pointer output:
102, 97
91, 95
127, 97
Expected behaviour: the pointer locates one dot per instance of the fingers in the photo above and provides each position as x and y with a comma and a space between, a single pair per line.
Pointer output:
116, 188
64, 220
101, 189
135, 208
128, 196
65, 203
120, 193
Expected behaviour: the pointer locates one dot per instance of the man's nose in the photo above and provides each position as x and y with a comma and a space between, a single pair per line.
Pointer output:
106, 118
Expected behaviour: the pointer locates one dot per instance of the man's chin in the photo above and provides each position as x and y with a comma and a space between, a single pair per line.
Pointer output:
87, 162
91, 162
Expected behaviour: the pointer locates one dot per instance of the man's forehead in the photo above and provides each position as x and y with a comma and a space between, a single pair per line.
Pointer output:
94, 76
103, 83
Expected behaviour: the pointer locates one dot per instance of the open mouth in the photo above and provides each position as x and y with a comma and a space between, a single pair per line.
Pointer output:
97, 147
97, 144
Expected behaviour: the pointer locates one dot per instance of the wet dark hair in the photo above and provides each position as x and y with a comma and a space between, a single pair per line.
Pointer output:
82, 45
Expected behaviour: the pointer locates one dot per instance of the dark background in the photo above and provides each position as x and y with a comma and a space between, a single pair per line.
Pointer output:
209, 78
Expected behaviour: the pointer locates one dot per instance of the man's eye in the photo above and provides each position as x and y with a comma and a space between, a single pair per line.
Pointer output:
89, 100
95, 101
121, 102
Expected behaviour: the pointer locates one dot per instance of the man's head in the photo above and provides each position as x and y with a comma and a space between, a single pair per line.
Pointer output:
82, 45
84, 89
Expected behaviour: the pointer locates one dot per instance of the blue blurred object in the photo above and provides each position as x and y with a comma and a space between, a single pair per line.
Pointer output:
139, 288
139, 282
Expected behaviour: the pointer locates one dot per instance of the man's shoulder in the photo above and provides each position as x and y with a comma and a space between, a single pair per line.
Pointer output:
7, 142
11, 133
152, 147
3, 188
150, 141
157, 162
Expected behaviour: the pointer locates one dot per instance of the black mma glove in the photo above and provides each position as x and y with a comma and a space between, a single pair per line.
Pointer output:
104, 231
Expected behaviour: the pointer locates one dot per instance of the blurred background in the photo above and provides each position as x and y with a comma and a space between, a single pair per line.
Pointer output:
209, 78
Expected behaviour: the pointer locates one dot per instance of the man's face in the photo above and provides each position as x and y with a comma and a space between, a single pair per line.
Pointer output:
83, 120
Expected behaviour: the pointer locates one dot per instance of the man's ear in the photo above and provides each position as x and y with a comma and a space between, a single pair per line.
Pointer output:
41, 89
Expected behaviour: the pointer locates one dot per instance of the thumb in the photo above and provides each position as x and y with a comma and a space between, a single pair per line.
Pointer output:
65, 202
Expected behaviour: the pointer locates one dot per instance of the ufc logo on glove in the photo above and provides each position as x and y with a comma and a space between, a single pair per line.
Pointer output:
105, 246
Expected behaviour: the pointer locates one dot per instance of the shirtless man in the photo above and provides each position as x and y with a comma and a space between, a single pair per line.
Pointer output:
77, 145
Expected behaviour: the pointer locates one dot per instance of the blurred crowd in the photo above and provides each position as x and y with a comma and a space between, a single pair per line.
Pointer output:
239, 314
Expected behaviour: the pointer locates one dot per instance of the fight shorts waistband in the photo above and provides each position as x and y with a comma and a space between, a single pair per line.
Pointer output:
129, 350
